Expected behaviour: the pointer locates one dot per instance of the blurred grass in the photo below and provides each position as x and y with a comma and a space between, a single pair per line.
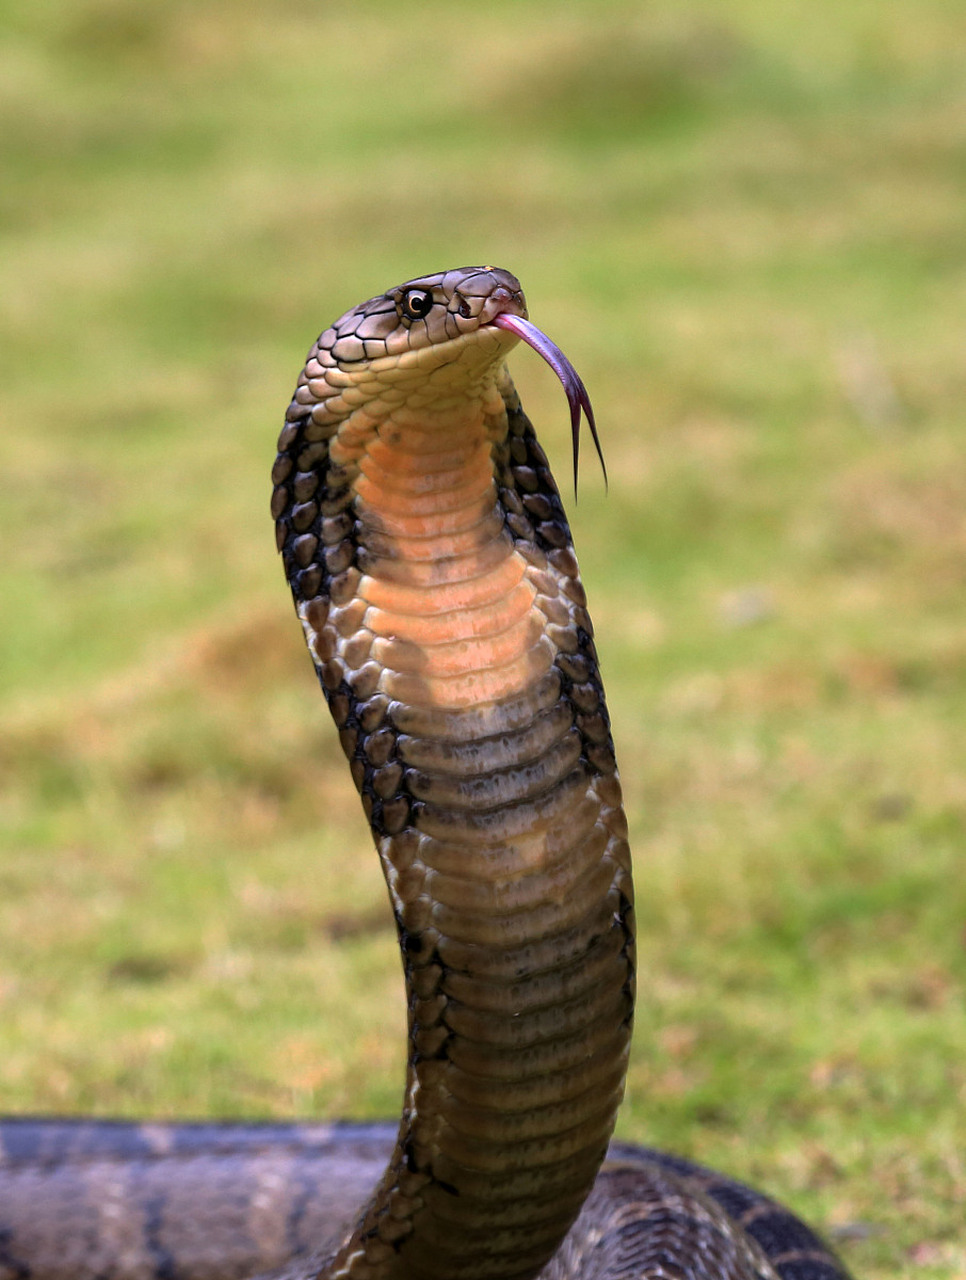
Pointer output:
745, 223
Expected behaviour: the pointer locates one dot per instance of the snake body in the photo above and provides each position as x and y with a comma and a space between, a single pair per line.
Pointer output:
433, 571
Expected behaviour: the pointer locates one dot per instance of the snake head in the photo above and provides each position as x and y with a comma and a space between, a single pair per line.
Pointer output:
431, 318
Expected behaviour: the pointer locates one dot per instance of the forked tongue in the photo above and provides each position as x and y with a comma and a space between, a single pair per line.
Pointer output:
577, 396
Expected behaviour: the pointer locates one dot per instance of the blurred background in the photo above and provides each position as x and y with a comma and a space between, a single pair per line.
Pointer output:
745, 224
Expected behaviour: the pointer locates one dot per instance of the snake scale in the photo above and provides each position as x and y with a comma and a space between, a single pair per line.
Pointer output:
432, 568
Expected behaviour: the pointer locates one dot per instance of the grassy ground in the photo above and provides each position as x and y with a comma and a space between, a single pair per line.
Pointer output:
745, 224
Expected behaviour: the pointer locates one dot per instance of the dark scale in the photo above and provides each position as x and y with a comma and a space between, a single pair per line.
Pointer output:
319, 542
528, 489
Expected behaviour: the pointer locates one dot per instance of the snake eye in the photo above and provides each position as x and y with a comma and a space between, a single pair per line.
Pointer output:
417, 303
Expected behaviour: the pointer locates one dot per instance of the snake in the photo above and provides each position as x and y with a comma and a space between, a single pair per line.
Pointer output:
433, 571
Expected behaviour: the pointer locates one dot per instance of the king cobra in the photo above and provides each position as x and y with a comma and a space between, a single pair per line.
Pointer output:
433, 571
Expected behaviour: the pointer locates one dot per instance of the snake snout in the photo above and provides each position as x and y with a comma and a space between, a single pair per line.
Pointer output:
503, 300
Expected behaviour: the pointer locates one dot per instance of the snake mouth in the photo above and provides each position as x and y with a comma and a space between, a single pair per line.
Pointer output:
573, 384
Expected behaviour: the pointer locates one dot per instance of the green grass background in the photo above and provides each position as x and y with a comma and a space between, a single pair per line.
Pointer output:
746, 223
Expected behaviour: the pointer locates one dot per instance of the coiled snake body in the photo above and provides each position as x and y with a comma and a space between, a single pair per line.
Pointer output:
432, 569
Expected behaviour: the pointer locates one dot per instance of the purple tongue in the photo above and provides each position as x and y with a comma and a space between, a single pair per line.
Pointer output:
577, 396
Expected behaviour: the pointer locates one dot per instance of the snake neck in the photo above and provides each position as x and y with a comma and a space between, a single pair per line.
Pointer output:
433, 571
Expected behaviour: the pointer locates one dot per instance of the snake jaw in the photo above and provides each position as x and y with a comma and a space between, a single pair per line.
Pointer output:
573, 385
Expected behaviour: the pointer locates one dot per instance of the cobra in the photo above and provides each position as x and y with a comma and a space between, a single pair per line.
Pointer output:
433, 572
